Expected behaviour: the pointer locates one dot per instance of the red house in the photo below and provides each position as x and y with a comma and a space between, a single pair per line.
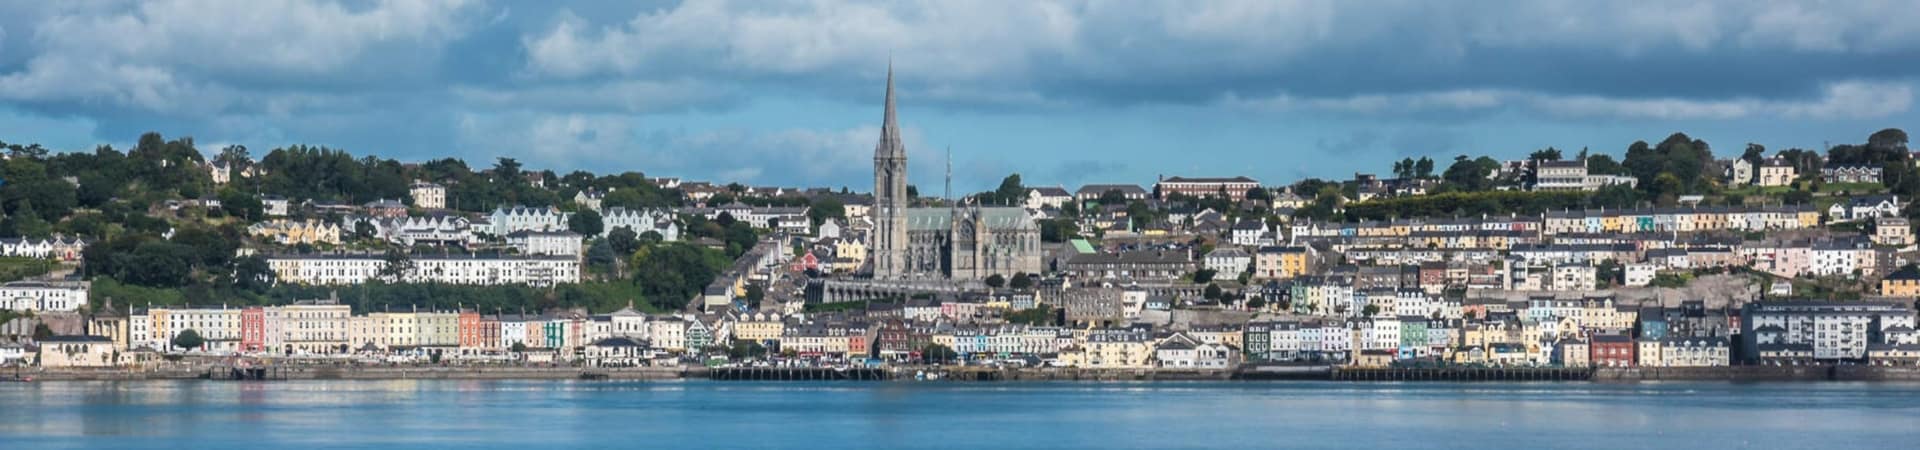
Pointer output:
1612, 350
469, 329
253, 329
806, 262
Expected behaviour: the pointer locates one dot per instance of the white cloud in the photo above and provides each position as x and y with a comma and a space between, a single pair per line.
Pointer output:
1844, 100
626, 96
197, 57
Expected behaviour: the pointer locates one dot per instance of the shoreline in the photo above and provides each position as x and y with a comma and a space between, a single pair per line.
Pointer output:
1812, 374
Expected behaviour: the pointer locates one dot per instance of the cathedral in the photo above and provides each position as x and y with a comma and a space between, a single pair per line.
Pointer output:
957, 242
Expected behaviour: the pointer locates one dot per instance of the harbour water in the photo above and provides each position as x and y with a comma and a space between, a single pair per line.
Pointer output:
709, 414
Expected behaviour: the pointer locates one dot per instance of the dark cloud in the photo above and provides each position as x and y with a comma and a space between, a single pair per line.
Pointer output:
578, 84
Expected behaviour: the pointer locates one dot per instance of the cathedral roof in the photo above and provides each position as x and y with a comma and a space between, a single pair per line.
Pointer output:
996, 218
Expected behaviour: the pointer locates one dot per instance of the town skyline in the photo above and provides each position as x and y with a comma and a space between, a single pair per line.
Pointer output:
1280, 90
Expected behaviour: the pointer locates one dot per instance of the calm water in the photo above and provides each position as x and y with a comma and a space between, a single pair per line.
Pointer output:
698, 414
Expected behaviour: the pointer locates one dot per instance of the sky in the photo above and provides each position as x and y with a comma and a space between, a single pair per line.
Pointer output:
1064, 92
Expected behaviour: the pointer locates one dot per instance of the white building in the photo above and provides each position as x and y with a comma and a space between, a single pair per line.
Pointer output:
219, 326
1640, 274
39, 296
785, 218
1827, 331
428, 195
642, 221
1227, 262
275, 206
456, 269
434, 229
521, 218
551, 243
60, 248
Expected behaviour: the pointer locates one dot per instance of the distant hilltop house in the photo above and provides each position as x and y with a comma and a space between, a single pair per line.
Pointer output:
428, 195
1234, 188
1093, 192
1573, 176
1047, 198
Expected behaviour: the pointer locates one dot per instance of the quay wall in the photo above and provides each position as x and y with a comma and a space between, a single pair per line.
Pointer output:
1758, 373
958, 373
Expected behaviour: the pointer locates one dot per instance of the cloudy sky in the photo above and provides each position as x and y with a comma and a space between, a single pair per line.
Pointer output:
1065, 92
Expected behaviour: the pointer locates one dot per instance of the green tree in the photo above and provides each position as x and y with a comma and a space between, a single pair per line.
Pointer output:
398, 266
937, 354
1370, 310
188, 339
1212, 292
1021, 281
743, 349
623, 241
756, 293
996, 281
251, 273
1423, 168
1041, 315
41, 331
826, 208
586, 222
1203, 276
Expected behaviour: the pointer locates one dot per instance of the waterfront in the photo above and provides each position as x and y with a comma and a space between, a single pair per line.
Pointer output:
708, 414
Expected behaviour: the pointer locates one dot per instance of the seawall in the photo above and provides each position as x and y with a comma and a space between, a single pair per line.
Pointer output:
1758, 373
959, 373
367, 373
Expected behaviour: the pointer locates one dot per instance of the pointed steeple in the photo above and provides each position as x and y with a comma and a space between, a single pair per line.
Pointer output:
890, 146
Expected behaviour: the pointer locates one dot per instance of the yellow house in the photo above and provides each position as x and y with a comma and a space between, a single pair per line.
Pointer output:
759, 327
1401, 229
853, 250
288, 232
1809, 219
1611, 223
1905, 283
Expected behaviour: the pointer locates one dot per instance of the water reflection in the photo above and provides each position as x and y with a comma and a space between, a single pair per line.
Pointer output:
541, 414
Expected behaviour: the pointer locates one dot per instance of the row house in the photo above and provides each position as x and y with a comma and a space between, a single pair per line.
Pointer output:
1851, 173
1865, 208
450, 269
1133, 265
791, 219
292, 232
156, 328
59, 248
642, 221
507, 220
437, 229
1281, 263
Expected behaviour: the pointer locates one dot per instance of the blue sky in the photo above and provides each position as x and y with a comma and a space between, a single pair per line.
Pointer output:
1064, 92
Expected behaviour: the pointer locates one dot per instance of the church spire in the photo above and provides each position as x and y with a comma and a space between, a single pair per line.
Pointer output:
890, 146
